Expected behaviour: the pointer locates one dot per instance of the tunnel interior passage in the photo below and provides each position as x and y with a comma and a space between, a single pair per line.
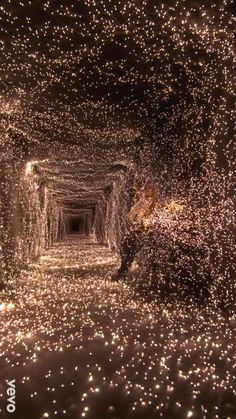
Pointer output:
89, 89
75, 198
79, 224
79, 220
98, 98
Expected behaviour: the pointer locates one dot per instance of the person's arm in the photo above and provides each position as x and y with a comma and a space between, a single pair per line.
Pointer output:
150, 213
135, 211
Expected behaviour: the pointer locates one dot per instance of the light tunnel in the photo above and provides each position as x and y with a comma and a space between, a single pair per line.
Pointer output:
117, 189
79, 199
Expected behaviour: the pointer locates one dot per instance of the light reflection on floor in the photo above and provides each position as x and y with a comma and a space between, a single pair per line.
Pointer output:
80, 346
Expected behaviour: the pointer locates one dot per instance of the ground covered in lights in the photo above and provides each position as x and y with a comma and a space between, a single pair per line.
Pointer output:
81, 346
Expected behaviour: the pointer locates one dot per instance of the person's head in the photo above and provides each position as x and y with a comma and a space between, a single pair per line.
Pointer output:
149, 190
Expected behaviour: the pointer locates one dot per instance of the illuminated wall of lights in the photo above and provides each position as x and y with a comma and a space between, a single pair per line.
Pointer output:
147, 85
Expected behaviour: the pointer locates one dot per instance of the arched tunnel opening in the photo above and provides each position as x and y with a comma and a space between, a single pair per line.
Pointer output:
117, 188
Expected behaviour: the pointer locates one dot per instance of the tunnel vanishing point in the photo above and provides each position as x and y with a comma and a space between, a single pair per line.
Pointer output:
96, 99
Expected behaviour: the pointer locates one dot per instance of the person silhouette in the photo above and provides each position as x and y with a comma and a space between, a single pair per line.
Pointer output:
133, 241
